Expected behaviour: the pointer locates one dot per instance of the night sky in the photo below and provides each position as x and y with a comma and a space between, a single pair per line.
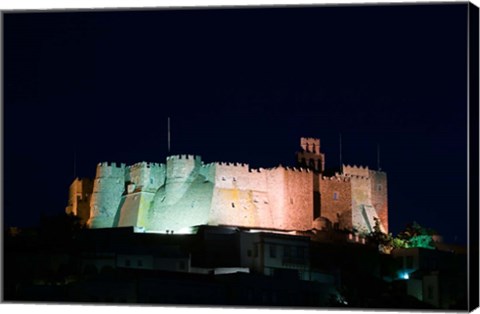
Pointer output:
240, 85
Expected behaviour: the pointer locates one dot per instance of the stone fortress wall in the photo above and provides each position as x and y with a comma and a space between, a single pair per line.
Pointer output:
185, 192
336, 200
79, 196
379, 196
108, 188
369, 197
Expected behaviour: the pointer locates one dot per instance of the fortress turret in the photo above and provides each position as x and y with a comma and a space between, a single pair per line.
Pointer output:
108, 188
145, 176
80, 194
180, 173
378, 186
369, 197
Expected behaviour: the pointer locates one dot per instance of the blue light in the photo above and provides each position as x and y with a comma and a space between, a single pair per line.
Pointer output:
405, 276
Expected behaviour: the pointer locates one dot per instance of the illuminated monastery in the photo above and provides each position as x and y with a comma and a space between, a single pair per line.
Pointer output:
185, 192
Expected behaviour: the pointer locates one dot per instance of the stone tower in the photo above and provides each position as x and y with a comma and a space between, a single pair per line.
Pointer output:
107, 192
142, 180
310, 156
80, 193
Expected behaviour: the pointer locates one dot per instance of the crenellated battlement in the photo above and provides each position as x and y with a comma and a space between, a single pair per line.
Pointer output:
145, 164
231, 164
110, 165
312, 140
182, 168
257, 170
355, 167
377, 172
310, 144
336, 178
296, 169
352, 176
184, 157
105, 169
356, 171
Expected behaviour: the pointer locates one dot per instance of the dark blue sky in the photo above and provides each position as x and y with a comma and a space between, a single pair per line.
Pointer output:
240, 85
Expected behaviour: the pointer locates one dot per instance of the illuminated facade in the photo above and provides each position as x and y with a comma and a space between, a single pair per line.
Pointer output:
185, 192
79, 198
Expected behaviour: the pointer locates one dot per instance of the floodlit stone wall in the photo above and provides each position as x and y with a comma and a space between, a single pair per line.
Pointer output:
145, 176
185, 199
298, 199
336, 200
361, 196
379, 194
357, 171
276, 197
240, 196
108, 188
185, 192
80, 193
369, 194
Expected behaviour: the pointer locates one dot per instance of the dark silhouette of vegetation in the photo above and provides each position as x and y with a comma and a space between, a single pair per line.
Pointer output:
383, 241
415, 235
59, 229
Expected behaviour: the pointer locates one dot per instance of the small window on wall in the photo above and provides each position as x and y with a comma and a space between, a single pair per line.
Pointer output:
379, 187
335, 196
